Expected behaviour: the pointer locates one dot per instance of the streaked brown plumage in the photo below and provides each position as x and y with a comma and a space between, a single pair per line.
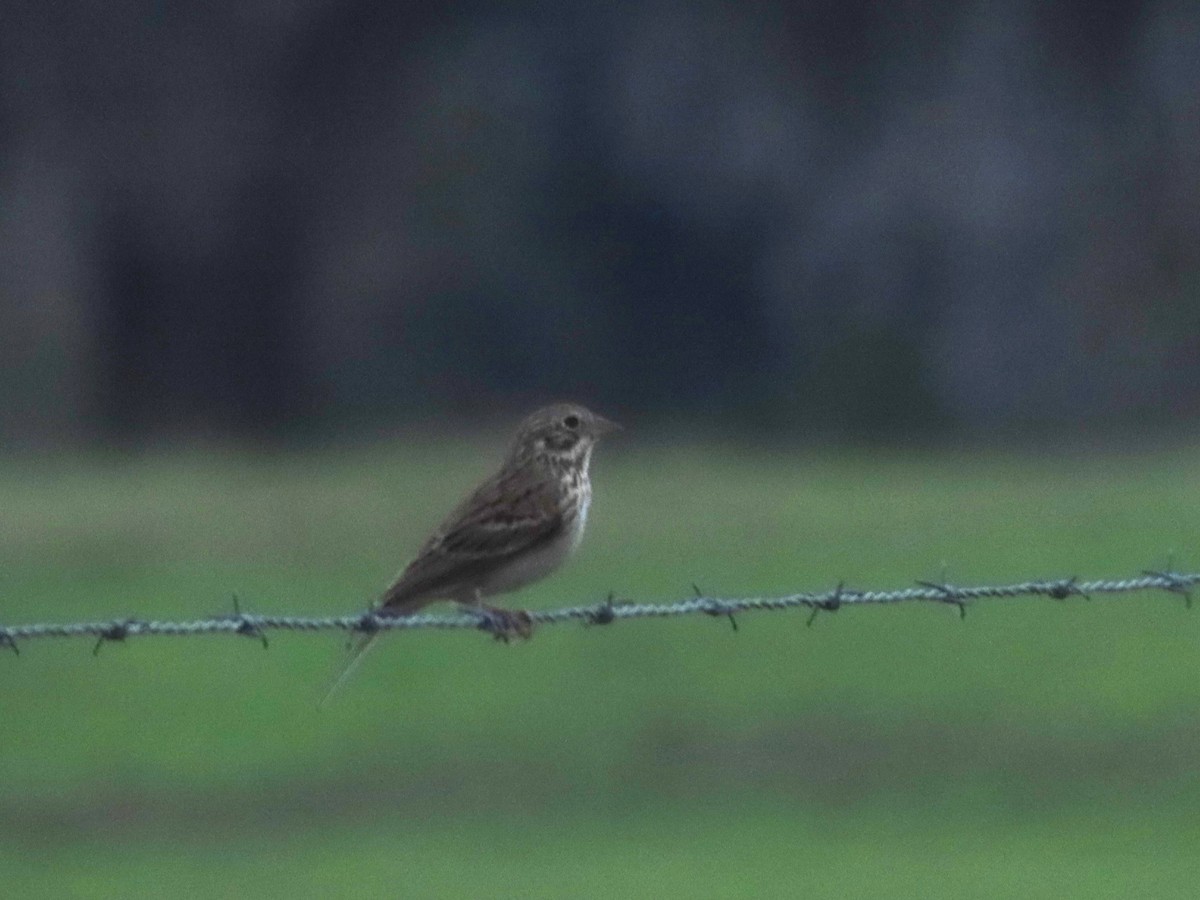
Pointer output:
515, 528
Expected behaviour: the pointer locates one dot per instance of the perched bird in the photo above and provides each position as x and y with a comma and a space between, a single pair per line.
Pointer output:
517, 527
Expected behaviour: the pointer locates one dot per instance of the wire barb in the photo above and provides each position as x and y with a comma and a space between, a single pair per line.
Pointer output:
1068, 587
948, 593
1175, 583
367, 623
246, 625
712, 607
519, 624
116, 631
602, 613
832, 603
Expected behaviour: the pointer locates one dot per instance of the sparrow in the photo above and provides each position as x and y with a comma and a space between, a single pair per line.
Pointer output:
515, 528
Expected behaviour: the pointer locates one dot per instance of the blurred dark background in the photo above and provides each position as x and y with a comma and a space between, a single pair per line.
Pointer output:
856, 220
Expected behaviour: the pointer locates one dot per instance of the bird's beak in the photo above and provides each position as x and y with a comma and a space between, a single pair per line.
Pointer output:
605, 426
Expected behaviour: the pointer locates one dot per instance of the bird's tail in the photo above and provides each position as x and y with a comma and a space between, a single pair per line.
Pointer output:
357, 652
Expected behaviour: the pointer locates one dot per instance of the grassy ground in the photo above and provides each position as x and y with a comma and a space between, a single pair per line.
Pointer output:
1036, 749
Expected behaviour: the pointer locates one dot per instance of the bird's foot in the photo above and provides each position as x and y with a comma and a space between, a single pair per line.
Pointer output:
505, 624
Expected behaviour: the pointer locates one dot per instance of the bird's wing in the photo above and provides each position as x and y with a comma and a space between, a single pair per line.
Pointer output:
506, 516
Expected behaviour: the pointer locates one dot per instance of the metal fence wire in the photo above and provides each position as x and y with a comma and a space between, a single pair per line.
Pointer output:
609, 611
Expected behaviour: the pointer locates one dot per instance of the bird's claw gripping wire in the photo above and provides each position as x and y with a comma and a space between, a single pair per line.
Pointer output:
505, 624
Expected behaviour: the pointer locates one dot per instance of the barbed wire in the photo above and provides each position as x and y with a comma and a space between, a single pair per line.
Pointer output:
605, 613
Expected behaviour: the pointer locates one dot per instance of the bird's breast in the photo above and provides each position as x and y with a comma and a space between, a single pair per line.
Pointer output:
536, 564
579, 522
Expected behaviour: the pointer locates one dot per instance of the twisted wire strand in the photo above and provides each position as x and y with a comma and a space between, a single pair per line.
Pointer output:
607, 612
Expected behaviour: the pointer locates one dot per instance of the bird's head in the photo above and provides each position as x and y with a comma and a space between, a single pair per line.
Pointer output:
564, 429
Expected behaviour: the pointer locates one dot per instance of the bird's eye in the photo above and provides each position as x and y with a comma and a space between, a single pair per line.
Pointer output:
571, 421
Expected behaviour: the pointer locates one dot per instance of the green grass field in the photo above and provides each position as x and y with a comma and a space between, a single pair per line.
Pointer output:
1036, 749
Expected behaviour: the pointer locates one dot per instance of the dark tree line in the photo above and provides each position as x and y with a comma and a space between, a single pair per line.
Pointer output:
854, 219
